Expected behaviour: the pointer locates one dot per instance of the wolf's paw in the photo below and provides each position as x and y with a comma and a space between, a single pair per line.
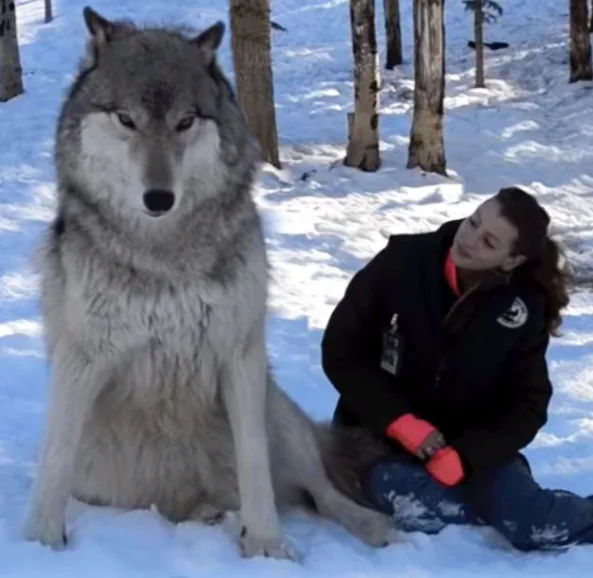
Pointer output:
270, 547
47, 531
208, 514
378, 530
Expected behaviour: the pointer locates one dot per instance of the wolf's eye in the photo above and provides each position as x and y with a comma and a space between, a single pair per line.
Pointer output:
126, 121
185, 123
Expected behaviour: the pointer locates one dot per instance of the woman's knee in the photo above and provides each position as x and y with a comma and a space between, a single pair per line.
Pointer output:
406, 491
386, 483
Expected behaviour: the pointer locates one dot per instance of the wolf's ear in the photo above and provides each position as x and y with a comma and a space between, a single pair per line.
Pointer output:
100, 28
208, 41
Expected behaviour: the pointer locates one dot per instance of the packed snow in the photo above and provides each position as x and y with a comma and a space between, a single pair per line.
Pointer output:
323, 221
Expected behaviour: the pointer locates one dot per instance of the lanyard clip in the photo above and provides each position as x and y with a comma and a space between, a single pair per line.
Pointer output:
394, 321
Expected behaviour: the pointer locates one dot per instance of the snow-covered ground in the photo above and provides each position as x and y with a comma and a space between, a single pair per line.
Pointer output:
323, 221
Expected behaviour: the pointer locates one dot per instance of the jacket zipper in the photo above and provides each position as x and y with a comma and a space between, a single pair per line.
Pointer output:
451, 312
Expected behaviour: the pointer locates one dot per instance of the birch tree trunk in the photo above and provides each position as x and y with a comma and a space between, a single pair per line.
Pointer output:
11, 72
580, 46
363, 139
48, 11
479, 40
427, 149
252, 61
393, 34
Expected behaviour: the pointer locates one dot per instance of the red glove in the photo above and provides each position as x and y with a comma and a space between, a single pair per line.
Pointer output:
446, 466
410, 431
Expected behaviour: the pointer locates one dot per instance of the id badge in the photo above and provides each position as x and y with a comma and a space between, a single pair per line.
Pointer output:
393, 343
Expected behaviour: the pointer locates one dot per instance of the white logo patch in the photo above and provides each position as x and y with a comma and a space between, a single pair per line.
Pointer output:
515, 316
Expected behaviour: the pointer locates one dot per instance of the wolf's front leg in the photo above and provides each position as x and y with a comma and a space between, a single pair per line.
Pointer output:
245, 392
75, 384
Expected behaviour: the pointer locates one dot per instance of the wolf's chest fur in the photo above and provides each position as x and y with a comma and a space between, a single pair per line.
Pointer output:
155, 330
122, 307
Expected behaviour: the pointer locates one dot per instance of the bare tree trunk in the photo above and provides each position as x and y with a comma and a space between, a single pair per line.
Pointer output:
479, 40
580, 46
252, 61
11, 72
427, 149
48, 11
363, 141
393, 34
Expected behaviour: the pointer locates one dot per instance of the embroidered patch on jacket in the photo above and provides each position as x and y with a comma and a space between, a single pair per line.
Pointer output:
516, 315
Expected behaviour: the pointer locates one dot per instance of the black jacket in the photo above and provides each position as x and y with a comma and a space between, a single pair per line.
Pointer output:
483, 384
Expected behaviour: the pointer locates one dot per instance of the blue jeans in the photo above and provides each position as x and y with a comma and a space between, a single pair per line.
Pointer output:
508, 499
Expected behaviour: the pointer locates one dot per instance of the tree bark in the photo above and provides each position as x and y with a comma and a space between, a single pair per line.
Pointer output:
580, 46
393, 34
252, 61
11, 72
479, 40
48, 11
363, 142
427, 149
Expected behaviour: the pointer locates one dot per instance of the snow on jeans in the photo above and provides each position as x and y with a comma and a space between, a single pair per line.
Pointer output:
509, 500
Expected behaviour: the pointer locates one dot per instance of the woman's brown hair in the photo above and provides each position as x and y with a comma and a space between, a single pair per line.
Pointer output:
543, 264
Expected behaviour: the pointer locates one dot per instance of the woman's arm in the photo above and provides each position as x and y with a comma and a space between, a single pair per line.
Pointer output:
351, 349
491, 444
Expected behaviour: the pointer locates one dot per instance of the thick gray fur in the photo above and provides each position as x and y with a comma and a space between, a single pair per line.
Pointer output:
160, 389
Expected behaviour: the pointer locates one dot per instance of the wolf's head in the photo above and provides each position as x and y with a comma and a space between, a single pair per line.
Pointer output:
150, 128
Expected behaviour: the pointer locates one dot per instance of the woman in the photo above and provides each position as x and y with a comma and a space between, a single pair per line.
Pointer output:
439, 346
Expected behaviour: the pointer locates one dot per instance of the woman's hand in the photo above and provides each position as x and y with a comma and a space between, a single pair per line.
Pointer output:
446, 466
417, 436
433, 442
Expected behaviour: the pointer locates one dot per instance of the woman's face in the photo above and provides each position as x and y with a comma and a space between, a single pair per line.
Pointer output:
485, 240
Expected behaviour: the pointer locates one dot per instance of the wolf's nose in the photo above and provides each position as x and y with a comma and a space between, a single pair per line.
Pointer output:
158, 201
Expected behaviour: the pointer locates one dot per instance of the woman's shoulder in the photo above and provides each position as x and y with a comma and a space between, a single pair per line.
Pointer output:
397, 259
414, 246
529, 304
409, 256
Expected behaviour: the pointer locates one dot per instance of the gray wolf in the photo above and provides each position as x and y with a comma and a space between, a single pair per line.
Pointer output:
154, 280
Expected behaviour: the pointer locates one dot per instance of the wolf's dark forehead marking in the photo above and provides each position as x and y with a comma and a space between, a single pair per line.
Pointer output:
158, 99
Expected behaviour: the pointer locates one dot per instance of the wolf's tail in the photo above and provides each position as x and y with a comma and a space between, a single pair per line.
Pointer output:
347, 452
